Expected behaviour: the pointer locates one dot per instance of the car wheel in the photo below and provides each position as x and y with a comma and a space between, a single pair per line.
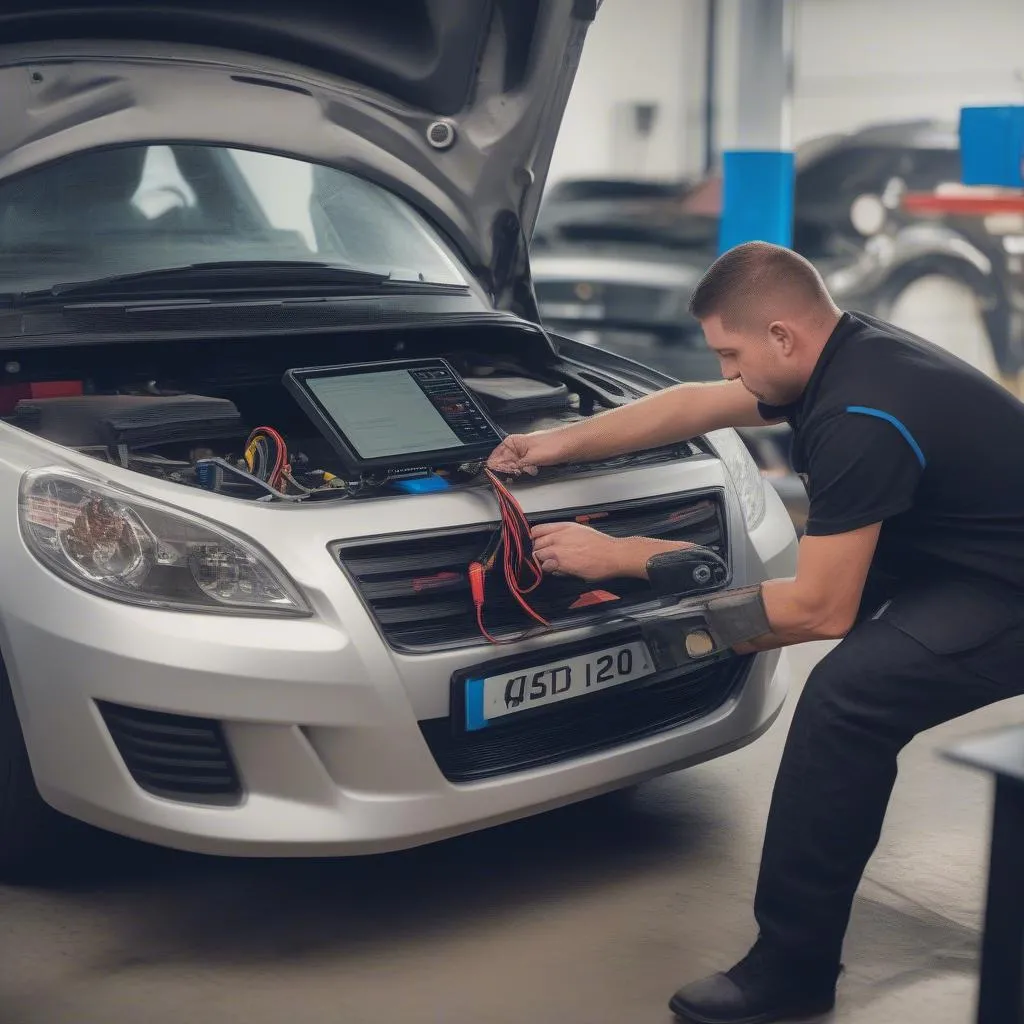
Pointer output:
947, 312
31, 832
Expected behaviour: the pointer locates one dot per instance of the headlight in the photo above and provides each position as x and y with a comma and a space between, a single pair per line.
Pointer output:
129, 549
746, 477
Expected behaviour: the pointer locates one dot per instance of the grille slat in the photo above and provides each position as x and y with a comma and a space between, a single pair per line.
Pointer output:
583, 726
642, 303
140, 750
144, 727
403, 614
161, 762
399, 585
659, 520
417, 590
196, 783
176, 756
406, 558
168, 748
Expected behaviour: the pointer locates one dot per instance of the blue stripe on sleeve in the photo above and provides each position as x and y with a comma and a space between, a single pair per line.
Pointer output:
864, 410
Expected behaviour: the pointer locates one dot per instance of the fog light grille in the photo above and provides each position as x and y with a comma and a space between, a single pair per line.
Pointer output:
179, 757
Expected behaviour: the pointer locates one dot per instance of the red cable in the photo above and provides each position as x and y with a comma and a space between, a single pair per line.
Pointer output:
476, 586
514, 539
281, 457
512, 517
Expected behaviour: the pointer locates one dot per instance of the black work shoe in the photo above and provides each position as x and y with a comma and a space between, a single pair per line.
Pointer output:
756, 991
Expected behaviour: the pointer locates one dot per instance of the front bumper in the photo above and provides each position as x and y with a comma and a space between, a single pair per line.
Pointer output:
327, 769
328, 729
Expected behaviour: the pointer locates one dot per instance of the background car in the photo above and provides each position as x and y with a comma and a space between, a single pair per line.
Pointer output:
614, 265
948, 278
957, 280
615, 261
222, 629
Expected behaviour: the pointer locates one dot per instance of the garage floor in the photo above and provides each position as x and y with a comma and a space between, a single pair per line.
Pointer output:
591, 915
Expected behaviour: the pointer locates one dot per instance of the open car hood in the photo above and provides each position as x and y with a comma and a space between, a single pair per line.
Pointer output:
453, 104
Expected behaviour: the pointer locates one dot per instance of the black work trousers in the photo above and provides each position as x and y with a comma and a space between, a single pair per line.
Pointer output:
862, 704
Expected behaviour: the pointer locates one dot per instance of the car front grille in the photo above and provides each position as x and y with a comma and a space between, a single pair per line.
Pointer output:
584, 726
179, 757
417, 590
616, 302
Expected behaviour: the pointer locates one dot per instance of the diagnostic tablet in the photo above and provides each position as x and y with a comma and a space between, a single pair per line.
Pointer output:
395, 415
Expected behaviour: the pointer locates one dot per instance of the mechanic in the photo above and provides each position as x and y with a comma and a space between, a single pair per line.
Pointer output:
913, 558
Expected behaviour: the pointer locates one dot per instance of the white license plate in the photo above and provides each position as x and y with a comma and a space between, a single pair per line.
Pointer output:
493, 697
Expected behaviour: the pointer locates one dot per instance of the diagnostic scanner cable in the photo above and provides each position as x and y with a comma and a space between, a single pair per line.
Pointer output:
511, 549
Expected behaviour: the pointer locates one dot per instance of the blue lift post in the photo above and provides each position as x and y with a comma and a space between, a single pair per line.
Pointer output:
758, 171
992, 146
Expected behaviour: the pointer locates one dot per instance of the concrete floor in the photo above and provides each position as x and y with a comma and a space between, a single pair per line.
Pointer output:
591, 915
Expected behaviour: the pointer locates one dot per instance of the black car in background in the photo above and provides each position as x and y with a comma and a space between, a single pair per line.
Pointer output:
622, 281
617, 260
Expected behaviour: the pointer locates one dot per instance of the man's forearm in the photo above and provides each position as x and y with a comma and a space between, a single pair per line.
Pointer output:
736, 620
793, 619
666, 417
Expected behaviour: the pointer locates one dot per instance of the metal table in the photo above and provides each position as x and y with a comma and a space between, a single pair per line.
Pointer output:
1001, 988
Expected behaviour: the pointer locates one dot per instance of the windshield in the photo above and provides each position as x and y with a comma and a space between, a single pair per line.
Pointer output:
139, 208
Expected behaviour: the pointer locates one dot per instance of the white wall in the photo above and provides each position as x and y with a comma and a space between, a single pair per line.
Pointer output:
874, 60
857, 61
776, 131
636, 51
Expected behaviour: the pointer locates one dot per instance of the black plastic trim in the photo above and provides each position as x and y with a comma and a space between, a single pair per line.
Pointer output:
586, 725
177, 757
474, 537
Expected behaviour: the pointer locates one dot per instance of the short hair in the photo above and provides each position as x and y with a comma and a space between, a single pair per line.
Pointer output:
754, 280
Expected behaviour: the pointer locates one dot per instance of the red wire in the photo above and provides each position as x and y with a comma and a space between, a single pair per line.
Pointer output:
483, 629
281, 458
514, 540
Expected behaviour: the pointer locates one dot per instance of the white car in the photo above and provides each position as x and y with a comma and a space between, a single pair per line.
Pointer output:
222, 630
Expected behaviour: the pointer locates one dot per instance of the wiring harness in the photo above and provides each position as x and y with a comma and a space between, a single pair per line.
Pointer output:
509, 551
266, 456
511, 548
268, 461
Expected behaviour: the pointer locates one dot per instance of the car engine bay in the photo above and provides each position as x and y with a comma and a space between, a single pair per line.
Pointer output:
215, 417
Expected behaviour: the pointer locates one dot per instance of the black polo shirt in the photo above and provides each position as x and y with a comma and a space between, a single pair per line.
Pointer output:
893, 429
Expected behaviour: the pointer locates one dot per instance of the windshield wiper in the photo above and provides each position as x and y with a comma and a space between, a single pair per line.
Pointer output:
234, 276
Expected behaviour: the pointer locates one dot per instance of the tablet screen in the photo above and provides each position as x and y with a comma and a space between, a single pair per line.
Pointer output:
385, 413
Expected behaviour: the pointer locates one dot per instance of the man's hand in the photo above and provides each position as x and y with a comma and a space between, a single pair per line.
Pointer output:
524, 453
572, 549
